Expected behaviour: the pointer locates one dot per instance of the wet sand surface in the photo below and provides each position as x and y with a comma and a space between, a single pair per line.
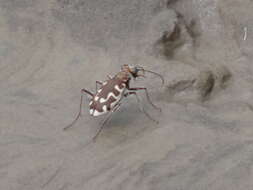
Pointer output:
51, 49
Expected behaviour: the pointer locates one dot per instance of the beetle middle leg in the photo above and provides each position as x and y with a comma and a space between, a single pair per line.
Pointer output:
80, 108
140, 105
147, 95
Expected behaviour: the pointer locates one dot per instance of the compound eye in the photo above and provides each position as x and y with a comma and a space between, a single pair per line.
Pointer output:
135, 72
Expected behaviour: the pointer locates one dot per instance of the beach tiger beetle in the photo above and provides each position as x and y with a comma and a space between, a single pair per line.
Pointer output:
108, 97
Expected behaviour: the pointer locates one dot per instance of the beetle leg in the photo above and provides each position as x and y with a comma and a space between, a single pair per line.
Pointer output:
98, 82
106, 119
109, 76
147, 95
80, 108
141, 106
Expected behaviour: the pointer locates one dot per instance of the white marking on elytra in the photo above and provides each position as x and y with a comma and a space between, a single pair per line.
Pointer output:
118, 89
117, 99
102, 100
96, 98
91, 111
97, 113
90, 103
99, 90
104, 83
104, 108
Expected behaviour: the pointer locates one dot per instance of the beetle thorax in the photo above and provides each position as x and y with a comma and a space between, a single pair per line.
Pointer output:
123, 76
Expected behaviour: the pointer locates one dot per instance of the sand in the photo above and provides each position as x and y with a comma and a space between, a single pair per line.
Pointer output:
51, 49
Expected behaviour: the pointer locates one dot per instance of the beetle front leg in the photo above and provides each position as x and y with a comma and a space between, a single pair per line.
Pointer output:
147, 95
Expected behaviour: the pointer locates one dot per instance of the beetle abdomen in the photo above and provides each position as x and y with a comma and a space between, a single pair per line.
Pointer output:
107, 97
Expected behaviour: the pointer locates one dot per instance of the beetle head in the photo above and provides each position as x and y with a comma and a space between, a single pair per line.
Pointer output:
137, 71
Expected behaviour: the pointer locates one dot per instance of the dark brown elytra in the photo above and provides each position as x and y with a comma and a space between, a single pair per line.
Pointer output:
107, 98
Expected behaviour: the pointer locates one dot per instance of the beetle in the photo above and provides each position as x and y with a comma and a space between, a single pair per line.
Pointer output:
108, 97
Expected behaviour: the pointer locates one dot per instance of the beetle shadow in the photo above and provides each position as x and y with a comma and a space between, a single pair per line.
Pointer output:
128, 114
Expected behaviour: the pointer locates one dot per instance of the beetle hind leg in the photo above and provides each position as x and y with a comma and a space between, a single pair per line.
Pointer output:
115, 108
80, 108
98, 83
